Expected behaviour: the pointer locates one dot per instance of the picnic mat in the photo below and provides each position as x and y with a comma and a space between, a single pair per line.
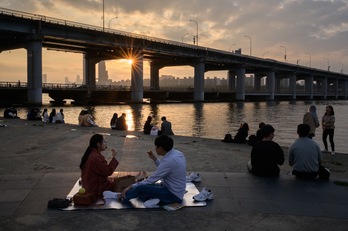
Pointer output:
134, 203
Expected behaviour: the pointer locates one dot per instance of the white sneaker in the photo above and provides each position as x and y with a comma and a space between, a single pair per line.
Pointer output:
204, 195
110, 195
152, 203
324, 150
333, 153
193, 177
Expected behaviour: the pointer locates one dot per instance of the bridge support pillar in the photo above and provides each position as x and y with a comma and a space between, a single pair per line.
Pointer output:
199, 81
336, 82
240, 90
89, 69
34, 71
231, 78
154, 76
137, 82
271, 84
257, 82
309, 86
325, 88
293, 86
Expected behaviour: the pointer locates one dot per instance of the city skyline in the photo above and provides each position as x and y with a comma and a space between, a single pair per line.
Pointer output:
305, 32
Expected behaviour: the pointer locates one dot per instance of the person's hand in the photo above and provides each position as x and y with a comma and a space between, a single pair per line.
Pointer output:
113, 153
151, 155
110, 179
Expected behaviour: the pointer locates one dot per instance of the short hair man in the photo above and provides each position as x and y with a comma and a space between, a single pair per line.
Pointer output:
266, 155
171, 170
304, 154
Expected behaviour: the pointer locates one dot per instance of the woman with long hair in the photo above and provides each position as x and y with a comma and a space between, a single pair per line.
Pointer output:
311, 118
95, 170
328, 124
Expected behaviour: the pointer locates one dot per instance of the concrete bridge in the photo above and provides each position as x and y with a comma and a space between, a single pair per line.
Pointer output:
34, 32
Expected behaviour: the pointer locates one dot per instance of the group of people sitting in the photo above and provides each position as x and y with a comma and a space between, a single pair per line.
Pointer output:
166, 127
171, 169
304, 155
86, 119
119, 123
54, 117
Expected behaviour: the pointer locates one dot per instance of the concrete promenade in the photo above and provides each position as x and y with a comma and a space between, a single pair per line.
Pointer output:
40, 161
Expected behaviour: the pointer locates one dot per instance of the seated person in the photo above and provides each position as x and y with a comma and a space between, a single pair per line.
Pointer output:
171, 169
121, 123
34, 114
10, 113
242, 134
113, 121
304, 154
259, 136
166, 127
86, 119
148, 125
266, 155
60, 117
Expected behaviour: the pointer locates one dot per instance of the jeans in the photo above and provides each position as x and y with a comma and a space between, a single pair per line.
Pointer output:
330, 133
150, 191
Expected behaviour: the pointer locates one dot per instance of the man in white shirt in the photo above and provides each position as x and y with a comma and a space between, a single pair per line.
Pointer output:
171, 170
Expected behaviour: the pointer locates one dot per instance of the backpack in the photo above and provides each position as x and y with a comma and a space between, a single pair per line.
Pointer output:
228, 138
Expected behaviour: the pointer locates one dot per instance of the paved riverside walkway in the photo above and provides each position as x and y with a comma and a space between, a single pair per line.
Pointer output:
40, 161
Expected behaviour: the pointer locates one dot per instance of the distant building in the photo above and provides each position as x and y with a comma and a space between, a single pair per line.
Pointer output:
103, 78
44, 78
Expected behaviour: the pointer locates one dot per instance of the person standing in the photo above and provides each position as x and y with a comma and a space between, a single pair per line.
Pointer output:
311, 118
305, 155
328, 124
266, 155
166, 127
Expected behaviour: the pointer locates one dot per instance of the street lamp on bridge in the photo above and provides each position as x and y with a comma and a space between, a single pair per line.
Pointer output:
251, 43
284, 52
230, 49
111, 20
328, 64
182, 39
196, 30
310, 59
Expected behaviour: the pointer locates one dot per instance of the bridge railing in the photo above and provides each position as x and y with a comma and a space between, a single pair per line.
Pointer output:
26, 15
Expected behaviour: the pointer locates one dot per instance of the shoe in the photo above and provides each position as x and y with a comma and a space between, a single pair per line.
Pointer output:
110, 195
204, 195
152, 203
333, 153
324, 150
193, 177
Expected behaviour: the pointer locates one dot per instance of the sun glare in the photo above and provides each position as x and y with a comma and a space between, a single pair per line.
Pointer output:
130, 61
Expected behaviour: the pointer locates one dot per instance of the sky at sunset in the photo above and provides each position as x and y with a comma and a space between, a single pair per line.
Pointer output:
306, 29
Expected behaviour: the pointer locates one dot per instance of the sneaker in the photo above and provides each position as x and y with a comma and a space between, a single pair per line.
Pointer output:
333, 153
193, 177
204, 195
324, 150
110, 195
152, 203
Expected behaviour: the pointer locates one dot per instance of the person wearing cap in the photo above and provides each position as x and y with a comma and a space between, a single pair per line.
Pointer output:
266, 155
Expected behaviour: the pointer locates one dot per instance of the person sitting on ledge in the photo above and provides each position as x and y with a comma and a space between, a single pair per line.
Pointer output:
305, 155
121, 123
266, 155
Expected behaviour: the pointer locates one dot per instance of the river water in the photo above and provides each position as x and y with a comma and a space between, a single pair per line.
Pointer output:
214, 120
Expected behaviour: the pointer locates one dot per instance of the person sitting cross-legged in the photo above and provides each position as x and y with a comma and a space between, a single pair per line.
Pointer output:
171, 170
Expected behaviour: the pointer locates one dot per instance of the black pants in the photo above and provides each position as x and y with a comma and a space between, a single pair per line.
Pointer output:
330, 133
305, 175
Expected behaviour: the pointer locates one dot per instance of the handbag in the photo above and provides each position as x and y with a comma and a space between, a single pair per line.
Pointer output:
123, 182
